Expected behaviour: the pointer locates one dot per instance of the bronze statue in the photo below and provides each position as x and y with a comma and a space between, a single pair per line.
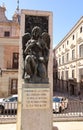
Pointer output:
36, 55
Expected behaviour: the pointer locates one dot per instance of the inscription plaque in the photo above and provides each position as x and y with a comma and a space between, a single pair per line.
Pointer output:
36, 98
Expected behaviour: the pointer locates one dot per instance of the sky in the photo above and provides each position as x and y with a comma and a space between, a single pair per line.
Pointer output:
66, 13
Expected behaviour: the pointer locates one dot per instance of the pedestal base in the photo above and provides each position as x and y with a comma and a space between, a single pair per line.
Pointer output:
36, 107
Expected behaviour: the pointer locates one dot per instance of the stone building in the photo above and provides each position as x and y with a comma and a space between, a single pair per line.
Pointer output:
9, 46
68, 62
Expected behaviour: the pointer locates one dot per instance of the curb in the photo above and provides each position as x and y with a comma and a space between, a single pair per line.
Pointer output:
7, 120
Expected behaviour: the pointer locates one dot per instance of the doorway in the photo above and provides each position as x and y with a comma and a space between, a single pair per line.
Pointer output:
71, 89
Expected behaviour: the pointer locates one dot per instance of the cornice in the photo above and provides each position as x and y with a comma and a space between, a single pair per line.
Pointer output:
9, 23
9, 41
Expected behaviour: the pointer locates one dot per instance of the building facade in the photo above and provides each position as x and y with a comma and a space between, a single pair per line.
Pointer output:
68, 62
9, 48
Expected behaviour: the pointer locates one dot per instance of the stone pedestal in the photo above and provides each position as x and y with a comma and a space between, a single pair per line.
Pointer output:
36, 107
35, 99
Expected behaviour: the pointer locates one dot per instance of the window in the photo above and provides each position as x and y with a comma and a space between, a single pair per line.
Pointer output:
59, 49
54, 62
6, 33
63, 46
14, 83
66, 74
67, 42
62, 59
62, 77
59, 61
81, 50
15, 60
73, 54
81, 74
81, 30
12, 99
58, 75
67, 57
73, 73
73, 37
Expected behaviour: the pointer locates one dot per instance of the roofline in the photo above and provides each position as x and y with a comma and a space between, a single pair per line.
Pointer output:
69, 33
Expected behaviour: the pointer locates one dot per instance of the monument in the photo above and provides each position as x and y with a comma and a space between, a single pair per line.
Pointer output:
35, 71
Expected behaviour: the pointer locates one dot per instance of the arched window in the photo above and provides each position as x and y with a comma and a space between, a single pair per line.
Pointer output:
81, 50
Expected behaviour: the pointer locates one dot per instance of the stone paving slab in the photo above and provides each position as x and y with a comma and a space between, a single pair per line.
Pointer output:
7, 119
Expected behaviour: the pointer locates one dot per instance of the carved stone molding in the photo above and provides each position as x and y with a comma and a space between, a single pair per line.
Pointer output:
62, 52
59, 55
72, 66
80, 64
66, 49
66, 67
79, 40
72, 46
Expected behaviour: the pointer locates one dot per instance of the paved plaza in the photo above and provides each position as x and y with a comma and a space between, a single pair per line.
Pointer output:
57, 126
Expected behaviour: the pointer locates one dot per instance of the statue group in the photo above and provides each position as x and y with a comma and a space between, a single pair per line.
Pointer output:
36, 48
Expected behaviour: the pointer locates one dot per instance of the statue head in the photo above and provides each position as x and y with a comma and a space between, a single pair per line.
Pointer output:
36, 32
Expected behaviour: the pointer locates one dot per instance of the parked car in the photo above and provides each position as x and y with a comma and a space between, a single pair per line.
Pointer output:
59, 104
9, 103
